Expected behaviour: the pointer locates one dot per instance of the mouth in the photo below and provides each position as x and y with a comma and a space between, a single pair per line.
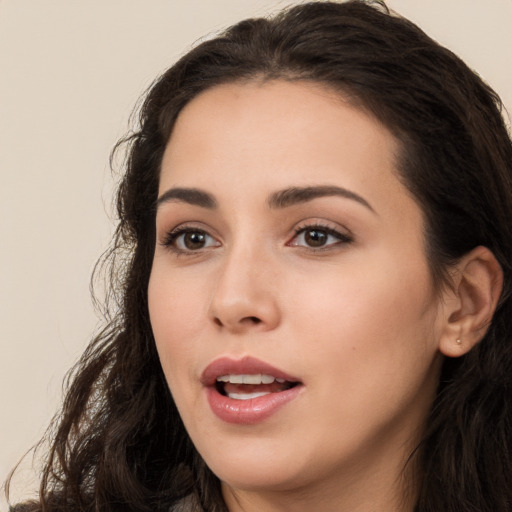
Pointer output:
250, 386
247, 391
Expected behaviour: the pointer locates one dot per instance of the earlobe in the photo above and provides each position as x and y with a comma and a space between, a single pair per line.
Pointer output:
478, 281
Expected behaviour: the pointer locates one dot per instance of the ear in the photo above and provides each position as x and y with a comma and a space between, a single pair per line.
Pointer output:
470, 304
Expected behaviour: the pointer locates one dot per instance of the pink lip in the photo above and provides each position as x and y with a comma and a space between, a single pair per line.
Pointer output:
246, 365
245, 412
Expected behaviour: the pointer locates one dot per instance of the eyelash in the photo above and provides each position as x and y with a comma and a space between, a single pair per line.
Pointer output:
171, 238
342, 238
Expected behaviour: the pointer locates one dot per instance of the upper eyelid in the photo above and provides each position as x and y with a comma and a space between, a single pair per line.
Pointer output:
320, 227
323, 224
185, 227
336, 233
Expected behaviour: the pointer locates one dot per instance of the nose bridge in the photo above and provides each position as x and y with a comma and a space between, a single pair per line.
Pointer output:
244, 296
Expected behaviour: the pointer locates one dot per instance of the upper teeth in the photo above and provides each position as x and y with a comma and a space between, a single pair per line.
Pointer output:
249, 379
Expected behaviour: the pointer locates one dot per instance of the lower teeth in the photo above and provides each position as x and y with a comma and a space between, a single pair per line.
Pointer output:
247, 396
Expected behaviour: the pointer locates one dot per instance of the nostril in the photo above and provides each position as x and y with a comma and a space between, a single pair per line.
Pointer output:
244, 321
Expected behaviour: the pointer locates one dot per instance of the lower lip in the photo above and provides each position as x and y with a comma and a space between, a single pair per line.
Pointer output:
248, 412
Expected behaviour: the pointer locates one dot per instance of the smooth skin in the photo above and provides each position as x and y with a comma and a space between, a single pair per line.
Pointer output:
331, 287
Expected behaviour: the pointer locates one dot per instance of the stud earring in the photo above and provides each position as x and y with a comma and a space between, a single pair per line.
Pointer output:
459, 341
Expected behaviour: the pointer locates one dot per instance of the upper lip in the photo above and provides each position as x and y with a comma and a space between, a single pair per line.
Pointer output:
246, 366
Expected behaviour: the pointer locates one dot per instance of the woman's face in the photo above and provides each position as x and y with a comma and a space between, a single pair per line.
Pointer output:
287, 247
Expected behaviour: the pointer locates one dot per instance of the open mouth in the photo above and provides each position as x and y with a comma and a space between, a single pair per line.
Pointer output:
247, 391
250, 386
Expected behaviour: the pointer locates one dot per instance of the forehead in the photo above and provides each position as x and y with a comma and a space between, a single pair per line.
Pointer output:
313, 108
278, 133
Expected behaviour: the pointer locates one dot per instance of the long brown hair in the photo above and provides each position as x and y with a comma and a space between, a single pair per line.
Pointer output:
119, 443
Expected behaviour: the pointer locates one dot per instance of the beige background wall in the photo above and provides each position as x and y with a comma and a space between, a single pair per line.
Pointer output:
70, 72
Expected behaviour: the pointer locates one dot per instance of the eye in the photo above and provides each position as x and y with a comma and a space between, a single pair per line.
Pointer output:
318, 237
185, 239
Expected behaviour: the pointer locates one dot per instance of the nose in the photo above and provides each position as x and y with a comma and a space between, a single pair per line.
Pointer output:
245, 298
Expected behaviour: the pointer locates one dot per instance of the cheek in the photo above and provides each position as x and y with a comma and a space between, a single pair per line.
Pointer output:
370, 338
382, 297
372, 319
176, 316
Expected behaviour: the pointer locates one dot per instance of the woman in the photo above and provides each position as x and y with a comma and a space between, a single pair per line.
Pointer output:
315, 305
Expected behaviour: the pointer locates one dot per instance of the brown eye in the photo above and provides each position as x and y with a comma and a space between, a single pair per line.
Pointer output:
188, 240
315, 238
194, 240
318, 237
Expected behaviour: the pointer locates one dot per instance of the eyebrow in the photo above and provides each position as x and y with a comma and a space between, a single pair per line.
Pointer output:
192, 196
296, 195
281, 199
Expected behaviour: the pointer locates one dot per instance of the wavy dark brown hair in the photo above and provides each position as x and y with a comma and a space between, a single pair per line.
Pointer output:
119, 443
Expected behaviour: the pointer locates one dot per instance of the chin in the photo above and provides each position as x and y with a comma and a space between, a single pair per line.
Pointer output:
259, 468
260, 479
